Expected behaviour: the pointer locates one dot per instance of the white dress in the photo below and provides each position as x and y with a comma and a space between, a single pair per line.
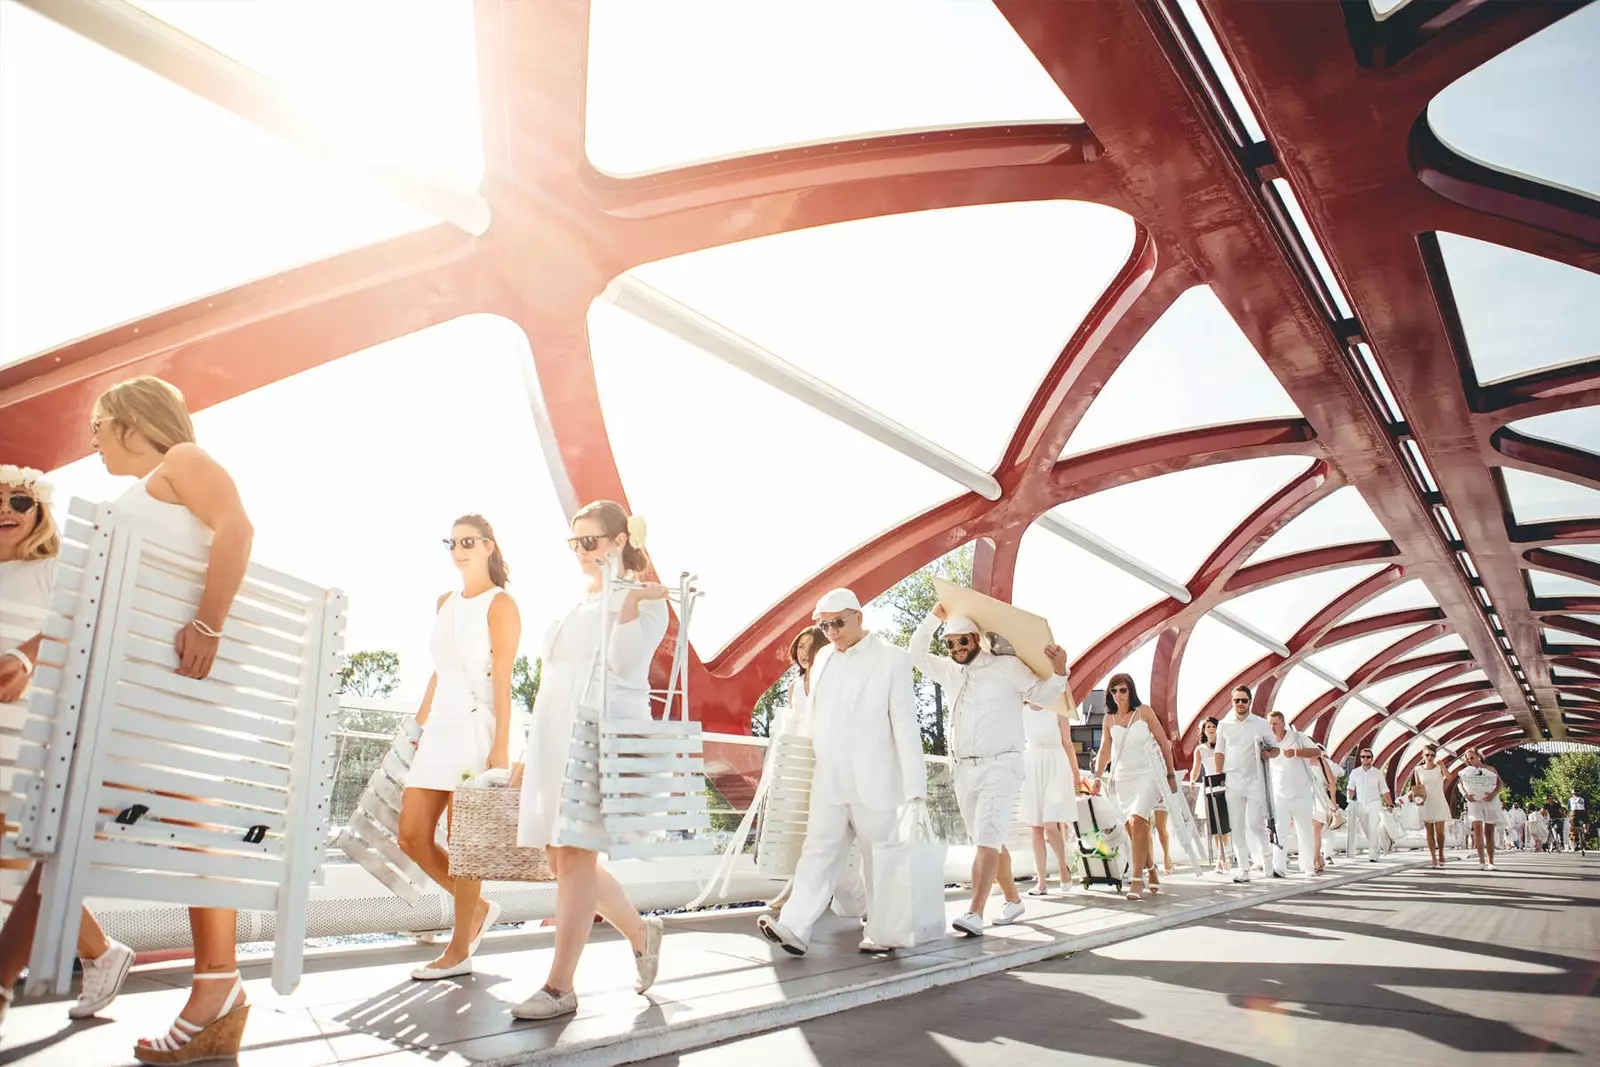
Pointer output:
1434, 806
460, 729
24, 606
571, 676
138, 506
1134, 761
1047, 793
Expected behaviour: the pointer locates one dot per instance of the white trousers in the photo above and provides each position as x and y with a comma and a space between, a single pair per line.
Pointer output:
1247, 820
829, 831
1362, 815
1298, 811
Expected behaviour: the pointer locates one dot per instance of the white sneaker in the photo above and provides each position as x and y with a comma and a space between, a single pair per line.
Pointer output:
1490, 867
1242, 878
780, 935
1010, 912
1483, 866
970, 924
102, 980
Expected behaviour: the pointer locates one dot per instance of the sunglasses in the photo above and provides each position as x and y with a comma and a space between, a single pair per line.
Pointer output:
1120, 689
586, 542
829, 625
1241, 700
961, 641
468, 543
1366, 755
22, 503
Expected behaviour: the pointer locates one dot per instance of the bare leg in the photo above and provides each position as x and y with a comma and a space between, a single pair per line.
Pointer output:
1056, 834
16, 939
1041, 862
577, 897
1139, 834
1008, 885
615, 908
1166, 846
985, 865
420, 812
215, 952
1488, 839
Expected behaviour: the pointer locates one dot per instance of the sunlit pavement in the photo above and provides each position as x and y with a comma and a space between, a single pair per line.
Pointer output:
720, 980
1458, 968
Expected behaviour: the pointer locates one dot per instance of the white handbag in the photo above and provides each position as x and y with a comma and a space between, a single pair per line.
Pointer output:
907, 901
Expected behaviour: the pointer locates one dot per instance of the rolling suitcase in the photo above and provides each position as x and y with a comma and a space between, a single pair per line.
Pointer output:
1102, 842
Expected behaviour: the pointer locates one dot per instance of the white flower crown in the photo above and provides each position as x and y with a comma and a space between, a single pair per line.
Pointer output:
26, 478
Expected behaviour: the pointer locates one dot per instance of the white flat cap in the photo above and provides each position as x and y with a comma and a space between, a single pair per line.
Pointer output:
836, 600
959, 625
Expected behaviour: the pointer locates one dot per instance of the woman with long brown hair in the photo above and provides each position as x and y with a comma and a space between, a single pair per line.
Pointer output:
602, 533
1136, 749
466, 725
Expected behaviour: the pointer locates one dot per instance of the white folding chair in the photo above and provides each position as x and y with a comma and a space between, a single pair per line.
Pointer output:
372, 836
636, 788
143, 784
787, 807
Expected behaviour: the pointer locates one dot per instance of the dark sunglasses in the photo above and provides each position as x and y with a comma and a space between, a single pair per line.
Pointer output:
468, 543
22, 503
1120, 689
961, 641
587, 542
827, 625
1241, 700
1366, 755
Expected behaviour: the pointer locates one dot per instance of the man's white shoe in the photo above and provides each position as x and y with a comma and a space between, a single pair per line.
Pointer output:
970, 924
102, 980
1010, 912
1242, 878
780, 935
872, 947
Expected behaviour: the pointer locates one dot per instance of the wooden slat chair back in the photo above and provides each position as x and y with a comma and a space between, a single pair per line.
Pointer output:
144, 784
637, 788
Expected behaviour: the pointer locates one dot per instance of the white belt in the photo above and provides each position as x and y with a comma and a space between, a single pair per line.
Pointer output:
986, 759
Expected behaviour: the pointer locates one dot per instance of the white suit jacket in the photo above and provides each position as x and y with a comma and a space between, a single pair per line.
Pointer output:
864, 727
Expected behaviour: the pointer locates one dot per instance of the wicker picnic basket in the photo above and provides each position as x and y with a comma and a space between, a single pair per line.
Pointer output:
483, 838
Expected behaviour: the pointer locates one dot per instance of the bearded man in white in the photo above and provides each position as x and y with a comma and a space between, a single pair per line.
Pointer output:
1480, 784
1369, 797
1242, 739
1292, 792
868, 752
986, 693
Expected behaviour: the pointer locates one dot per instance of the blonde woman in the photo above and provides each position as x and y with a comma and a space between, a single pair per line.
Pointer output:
466, 724
1427, 785
141, 429
572, 669
30, 545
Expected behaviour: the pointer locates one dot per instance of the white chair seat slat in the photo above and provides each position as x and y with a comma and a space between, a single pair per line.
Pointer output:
181, 888
206, 691
152, 832
583, 772
647, 728
383, 791
618, 766
624, 824
72, 558
614, 745
78, 529
164, 655
141, 857
259, 663
623, 805
261, 582
578, 810
375, 864
175, 780
182, 809
238, 630
188, 592
56, 631
160, 728
669, 848
160, 755
138, 698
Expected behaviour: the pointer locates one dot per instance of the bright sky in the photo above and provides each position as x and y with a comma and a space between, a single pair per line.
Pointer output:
121, 194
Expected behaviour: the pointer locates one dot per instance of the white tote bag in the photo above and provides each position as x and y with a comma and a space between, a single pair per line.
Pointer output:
907, 907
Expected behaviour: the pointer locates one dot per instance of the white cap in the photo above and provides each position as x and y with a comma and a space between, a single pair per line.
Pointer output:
836, 600
959, 625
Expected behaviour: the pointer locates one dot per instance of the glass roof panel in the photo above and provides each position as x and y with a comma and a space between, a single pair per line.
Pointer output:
1520, 312
1416, 714
1056, 579
399, 77
645, 374
1282, 608
1349, 716
1382, 9
1588, 552
1448, 643
199, 201
1213, 501
1403, 597
1575, 427
671, 85
1139, 663
1382, 693
1558, 636
1298, 689
1194, 367
1539, 498
1514, 113
945, 321
1340, 518
1207, 37
1548, 584
1341, 660
1216, 653
1388, 734
463, 379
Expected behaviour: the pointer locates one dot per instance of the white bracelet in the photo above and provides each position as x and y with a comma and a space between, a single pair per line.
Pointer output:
204, 629
21, 657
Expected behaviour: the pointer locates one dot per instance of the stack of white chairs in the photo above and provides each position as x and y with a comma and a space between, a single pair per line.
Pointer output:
372, 836
636, 788
786, 808
138, 783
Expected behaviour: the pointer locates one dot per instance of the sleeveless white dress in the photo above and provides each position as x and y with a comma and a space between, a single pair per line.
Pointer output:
1434, 806
1134, 759
460, 729
138, 506
572, 676
1047, 793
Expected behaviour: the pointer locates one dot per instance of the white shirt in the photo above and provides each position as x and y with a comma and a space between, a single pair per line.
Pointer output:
1518, 817
1241, 756
986, 695
1291, 778
864, 727
1366, 785
1575, 803
24, 599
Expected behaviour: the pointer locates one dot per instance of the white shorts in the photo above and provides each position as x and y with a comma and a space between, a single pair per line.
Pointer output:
987, 792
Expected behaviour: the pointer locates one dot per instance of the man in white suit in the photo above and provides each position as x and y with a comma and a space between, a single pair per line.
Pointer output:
868, 751
1293, 788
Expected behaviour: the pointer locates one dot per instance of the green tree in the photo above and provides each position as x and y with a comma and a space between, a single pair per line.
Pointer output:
1569, 772
525, 681
770, 703
370, 674
907, 603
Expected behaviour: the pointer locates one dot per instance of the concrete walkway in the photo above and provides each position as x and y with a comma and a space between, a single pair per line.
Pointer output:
1452, 968
719, 980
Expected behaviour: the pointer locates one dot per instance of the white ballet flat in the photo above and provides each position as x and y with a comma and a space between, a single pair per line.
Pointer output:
433, 974
490, 917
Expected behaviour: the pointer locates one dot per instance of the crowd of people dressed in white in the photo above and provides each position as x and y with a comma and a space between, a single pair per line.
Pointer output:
1251, 780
